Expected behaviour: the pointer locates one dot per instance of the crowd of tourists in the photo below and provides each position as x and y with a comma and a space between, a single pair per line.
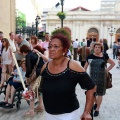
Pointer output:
52, 59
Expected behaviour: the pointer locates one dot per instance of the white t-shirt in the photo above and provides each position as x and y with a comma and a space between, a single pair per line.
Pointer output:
75, 44
12, 44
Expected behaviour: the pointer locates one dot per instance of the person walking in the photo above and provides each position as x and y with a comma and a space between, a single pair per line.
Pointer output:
83, 53
114, 50
97, 63
88, 41
105, 45
75, 48
60, 77
11, 41
6, 61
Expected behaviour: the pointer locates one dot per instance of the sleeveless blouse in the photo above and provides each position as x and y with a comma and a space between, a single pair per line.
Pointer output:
6, 57
59, 89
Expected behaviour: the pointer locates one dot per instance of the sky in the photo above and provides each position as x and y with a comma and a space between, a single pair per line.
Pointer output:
89, 4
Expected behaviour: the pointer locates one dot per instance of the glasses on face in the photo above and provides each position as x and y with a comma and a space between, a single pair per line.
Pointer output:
55, 47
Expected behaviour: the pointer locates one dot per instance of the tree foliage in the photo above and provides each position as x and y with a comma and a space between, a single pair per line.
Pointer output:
62, 31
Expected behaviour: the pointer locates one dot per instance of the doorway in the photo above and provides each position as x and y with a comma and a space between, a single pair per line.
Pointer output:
93, 34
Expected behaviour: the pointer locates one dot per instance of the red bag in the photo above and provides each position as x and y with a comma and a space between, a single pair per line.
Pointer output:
29, 95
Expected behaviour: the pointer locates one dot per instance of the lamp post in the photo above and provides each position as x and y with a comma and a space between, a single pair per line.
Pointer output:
32, 27
36, 23
111, 32
62, 12
61, 16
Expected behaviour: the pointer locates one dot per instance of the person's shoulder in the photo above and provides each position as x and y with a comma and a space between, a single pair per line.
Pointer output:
25, 42
75, 65
90, 56
105, 54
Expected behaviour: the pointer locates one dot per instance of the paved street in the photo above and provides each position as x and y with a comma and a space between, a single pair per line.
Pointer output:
109, 110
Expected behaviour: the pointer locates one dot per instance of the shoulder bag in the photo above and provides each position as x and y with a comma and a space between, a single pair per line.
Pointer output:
33, 75
109, 80
108, 77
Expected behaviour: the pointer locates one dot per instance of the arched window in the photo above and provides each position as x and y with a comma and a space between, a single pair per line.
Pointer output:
92, 30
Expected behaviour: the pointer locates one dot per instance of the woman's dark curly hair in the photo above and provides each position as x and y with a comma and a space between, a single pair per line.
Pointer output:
64, 40
64, 36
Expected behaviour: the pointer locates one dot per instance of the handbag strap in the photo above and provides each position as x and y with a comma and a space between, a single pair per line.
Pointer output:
35, 64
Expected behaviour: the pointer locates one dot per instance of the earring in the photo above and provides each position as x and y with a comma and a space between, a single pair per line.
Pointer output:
63, 54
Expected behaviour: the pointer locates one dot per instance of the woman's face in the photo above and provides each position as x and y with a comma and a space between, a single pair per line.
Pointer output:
97, 49
23, 65
55, 49
32, 41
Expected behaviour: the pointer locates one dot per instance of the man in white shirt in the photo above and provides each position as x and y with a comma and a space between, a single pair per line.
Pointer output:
11, 41
75, 48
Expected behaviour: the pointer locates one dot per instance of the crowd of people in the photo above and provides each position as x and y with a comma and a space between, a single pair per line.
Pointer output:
60, 74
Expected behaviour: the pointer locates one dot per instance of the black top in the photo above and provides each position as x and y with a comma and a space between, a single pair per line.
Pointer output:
104, 57
31, 60
59, 89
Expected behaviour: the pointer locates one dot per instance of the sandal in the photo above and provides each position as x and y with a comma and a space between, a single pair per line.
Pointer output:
29, 113
39, 109
2, 103
8, 106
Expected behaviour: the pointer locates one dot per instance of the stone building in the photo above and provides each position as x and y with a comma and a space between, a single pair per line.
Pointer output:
93, 24
31, 8
7, 16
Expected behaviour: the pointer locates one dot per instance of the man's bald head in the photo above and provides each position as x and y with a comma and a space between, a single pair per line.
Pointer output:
18, 38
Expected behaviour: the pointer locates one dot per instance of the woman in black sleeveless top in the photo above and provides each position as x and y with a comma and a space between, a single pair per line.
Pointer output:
60, 77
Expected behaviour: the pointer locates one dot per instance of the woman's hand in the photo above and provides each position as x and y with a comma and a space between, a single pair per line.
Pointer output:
36, 51
86, 116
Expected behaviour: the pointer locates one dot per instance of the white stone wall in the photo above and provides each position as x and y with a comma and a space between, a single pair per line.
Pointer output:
80, 22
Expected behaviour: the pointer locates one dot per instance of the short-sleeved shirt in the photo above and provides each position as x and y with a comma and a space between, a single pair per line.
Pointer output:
20, 56
45, 44
12, 44
92, 56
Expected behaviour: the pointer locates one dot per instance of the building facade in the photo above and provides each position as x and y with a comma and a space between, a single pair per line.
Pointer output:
7, 16
31, 8
93, 24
